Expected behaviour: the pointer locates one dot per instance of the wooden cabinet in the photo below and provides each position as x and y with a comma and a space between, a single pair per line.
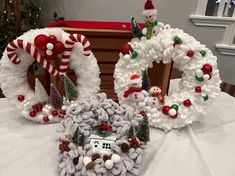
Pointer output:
106, 44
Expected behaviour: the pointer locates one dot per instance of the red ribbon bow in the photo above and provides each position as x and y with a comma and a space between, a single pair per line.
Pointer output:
107, 127
131, 90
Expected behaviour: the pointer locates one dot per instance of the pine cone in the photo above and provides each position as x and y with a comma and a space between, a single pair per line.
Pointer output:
75, 161
106, 157
124, 147
95, 156
90, 165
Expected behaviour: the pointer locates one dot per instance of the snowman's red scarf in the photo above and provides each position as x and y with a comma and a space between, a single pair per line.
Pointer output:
155, 94
131, 90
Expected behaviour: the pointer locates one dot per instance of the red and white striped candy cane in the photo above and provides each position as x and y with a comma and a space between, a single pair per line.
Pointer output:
69, 44
29, 48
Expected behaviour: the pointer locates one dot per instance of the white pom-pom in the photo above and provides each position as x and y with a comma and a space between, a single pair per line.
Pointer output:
199, 73
49, 52
63, 107
86, 160
127, 56
172, 112
45, 110
41, 116
24, 113
109, 164
116, 158
50, 46
50, 117
206, 77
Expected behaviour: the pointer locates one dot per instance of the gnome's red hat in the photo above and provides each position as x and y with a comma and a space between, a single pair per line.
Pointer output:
149, 8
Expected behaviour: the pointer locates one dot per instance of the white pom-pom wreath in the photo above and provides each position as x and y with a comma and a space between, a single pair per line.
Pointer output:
21, 53
189, 56
87, 117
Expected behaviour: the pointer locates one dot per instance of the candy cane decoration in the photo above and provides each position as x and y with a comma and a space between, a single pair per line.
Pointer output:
29, 48
69, 44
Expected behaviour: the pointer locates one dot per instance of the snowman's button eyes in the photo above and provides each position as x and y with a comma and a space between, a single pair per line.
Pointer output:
150, 16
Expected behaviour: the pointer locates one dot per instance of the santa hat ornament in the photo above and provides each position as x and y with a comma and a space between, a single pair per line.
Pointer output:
135, 79
149, 8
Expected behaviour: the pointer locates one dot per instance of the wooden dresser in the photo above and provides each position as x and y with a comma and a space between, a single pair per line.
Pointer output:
106, 39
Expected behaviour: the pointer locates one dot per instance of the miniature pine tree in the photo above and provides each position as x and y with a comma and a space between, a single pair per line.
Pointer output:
130, 133
81, 140
40, 92
75, 138
71, 91
143, 130
145, 80
136, 30
55, 98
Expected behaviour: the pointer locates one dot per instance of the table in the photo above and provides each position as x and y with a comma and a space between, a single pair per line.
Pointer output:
205, 148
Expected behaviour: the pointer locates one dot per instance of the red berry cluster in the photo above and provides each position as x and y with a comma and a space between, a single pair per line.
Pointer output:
64, 146
62, 113
49, 45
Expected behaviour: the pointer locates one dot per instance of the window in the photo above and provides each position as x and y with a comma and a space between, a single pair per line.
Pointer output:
218, 13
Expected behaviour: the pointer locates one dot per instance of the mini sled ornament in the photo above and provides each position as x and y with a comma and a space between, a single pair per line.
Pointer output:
43, 46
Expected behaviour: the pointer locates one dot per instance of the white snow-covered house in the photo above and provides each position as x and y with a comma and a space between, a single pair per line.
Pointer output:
102, 144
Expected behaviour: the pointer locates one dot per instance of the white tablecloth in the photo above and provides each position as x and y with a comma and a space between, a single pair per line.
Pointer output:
205, 148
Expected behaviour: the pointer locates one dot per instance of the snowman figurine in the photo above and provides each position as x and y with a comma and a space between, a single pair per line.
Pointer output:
154, 100
135, 94
150, 17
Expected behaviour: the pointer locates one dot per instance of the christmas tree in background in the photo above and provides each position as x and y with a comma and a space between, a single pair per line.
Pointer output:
130, 133
145, 80
17, 17
71, 91
55, 98
136, 30
40, 92
143, 130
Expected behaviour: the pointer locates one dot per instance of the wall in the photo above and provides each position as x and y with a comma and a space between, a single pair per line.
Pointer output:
176, 13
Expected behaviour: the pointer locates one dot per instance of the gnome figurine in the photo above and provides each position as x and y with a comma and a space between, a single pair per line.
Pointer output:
135, 94
150, 17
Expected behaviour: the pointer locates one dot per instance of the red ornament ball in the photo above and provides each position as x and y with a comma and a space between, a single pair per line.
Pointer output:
54, 113
165, 110
198, 89
207, 69
187, 103
52, 39
46, 119
40, 41
20, 98
126, 48
51, 57
32, 114
142, 113
58, 47
190, 53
